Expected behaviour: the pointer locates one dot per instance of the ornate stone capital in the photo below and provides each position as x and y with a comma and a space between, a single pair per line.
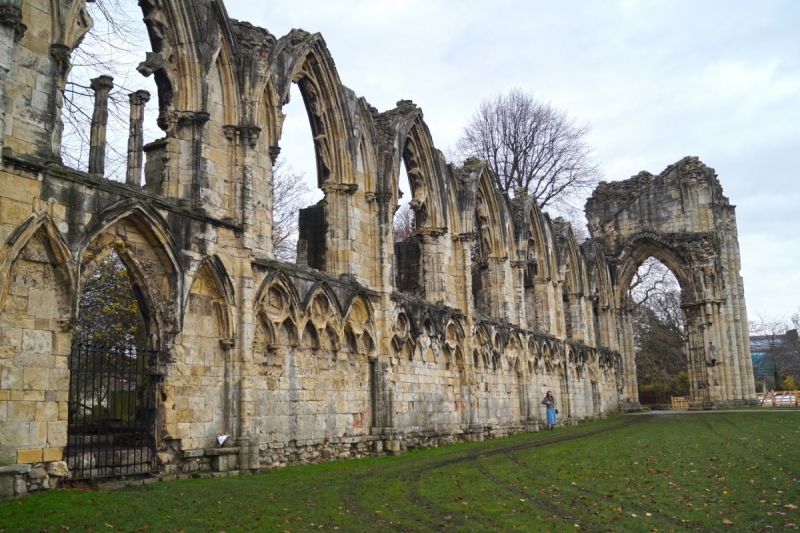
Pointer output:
230, 132
383, 197
185, 118
274, 152
250, 134
140, 97
347, 188
102, 83
11, 17
430, 231
463, 237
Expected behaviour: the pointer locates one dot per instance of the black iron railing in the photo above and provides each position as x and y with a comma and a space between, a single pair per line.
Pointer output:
112, 411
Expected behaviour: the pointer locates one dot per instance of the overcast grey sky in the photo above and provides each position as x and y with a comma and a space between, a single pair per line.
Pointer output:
658, 80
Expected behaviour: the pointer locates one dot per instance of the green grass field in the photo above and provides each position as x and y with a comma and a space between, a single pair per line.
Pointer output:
693, 472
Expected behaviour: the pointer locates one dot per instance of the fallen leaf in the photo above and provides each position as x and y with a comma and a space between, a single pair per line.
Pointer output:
726, 521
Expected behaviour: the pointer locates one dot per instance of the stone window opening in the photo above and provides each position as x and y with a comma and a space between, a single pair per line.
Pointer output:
479, 259
409, 217
567, 306
106, 121
530, 279
297, 199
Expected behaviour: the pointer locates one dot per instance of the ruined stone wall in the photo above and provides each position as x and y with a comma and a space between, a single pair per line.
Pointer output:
326, 358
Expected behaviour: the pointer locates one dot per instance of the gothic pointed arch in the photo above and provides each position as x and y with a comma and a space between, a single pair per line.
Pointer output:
212, 284
277, 298
359, 325
142, 241
682, 218
60, 253
644, 245
404, 331
304, 58
488, 218
414, 147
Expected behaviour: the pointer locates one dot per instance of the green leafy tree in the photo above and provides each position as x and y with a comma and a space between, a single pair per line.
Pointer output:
109, 312
106, 384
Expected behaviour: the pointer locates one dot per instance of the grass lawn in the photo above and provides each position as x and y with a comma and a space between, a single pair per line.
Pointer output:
693, 472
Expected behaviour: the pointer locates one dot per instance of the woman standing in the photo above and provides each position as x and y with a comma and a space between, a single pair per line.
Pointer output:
550, 402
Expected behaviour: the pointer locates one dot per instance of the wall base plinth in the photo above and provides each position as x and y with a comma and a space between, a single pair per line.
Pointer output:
630, 406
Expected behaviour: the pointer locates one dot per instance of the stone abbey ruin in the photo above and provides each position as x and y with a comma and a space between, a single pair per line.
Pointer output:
362, 346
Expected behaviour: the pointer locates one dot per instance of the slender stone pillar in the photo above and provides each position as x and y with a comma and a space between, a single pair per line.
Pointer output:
11, 31
97, 139
136, 137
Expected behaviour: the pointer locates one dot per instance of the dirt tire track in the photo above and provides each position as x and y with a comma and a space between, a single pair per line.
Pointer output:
411, 477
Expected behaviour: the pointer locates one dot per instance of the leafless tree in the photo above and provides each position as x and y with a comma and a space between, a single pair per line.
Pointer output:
290, 193
403, 223
534, 146
653, 279
114, 46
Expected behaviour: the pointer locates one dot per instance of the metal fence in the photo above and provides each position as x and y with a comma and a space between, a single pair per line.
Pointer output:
111, 410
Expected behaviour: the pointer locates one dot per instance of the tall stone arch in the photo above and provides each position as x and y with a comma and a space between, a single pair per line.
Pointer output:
682, 218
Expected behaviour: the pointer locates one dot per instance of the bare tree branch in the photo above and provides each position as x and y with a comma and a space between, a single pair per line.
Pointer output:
532, 145
290, 193
114, 46
403, 223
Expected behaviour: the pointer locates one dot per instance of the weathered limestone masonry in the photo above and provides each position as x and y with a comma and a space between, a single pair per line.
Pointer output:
364, 346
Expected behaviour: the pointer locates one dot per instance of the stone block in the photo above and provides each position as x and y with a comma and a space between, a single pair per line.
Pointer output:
36, 378
29, 456
46, 411
10, 379
42, 303
21, 411
59, 379
53, 454
57, 434
37, 349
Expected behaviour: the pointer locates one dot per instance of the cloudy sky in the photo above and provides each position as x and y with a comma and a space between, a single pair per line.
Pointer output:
658, 80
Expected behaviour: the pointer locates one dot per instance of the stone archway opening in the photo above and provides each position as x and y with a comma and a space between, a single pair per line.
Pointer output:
295, 182
683, 219
111, 403
408, 273
659, 335
661, 294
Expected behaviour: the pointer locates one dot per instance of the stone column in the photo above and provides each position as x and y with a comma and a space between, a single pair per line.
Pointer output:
518, 276
136, 137
249, 139
628, 351
497, 287
432, 264
59, 68
185, 171
97, 138
11, 31
338, 253
461, 248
